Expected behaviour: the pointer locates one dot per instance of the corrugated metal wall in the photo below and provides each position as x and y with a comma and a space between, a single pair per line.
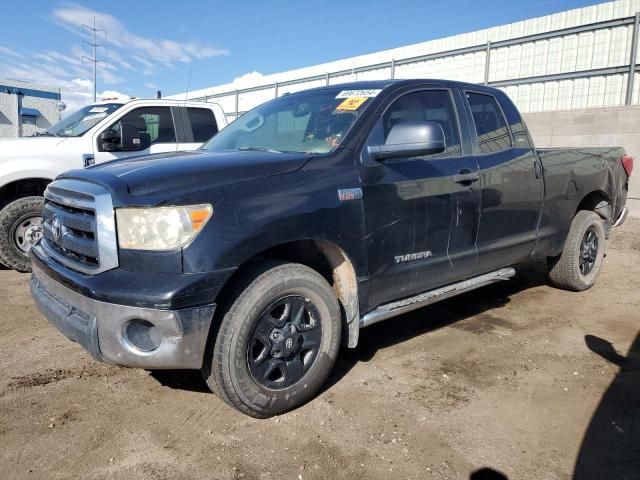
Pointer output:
570, 60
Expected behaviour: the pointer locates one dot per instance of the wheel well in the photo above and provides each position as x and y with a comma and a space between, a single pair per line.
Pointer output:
596, 201
328, 260
26, 187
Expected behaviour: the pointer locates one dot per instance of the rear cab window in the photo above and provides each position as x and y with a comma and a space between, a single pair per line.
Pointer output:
203, 124
517, 124
491, 127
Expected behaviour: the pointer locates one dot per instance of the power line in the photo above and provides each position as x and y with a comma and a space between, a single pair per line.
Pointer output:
94, 49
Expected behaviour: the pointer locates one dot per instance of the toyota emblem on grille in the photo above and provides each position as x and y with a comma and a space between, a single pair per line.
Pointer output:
56, 228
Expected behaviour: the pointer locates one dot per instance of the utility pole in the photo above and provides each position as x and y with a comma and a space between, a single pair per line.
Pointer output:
94, 47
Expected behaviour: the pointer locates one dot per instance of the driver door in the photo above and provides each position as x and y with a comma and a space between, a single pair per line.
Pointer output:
421, 219
156, 133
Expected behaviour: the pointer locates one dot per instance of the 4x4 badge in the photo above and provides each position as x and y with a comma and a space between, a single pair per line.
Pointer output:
350, 194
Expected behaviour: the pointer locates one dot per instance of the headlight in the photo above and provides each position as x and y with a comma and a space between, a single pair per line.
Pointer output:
160, 228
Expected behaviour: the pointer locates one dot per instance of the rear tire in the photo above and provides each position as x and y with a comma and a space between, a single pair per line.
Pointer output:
20, 227
277, 342
577, 268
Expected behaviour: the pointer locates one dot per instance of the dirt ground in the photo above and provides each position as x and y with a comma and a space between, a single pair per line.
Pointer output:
518, 377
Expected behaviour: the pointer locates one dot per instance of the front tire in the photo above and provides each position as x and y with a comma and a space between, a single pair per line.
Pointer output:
20, 228
277, 342
578, 266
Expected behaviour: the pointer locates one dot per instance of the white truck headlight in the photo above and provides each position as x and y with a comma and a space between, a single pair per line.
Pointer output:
160, 228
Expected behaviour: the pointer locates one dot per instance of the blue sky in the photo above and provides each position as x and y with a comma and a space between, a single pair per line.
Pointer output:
154, 45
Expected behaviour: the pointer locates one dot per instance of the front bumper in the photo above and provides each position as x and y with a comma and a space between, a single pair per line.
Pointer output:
102, 328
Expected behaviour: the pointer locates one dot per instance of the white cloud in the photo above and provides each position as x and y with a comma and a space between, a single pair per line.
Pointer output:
65, 66
250, 78
28, 73
149, 68
79, 93
113, 57
56, 57
127, 54
161, 50
76, 91
9, 52
107, 76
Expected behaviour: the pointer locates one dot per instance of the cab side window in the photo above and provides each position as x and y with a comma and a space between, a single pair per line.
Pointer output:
203, 124
155, 124
491, 127
427, 106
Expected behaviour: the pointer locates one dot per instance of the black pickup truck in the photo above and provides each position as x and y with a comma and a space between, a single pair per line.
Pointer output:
312, 216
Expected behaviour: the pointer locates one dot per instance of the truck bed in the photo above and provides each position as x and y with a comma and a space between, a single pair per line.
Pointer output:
572, 173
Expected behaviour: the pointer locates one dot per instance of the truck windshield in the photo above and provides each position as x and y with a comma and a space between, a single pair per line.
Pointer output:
309, 122
82, 120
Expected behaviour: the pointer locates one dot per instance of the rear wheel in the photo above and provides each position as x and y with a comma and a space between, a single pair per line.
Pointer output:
578, 266
20, 228
277, 341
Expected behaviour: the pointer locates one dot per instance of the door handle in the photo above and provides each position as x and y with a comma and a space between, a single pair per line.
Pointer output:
466, 177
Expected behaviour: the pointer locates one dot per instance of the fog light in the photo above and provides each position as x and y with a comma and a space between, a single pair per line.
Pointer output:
143, 335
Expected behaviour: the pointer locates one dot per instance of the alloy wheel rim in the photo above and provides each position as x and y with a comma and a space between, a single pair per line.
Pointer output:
285, 342
588, 251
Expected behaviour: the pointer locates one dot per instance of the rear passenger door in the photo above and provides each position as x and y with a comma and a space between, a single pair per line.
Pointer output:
199, 125
510, 179
421, 220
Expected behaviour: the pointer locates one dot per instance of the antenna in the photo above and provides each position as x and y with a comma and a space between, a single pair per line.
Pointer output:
186, 94
94, 46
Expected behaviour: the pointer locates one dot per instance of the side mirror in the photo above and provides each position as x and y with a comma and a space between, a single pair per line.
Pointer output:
109, 141
410, 139
131, 139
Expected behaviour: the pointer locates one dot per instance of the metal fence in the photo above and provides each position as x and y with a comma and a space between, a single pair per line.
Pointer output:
624, 89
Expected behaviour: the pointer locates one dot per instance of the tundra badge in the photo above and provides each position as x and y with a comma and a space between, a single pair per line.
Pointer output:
410, 257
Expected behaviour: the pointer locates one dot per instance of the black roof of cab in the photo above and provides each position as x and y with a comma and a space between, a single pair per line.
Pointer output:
399, 83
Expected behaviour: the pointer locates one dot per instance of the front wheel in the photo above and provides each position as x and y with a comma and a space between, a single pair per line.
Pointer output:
20, 228
577, 268
277, 342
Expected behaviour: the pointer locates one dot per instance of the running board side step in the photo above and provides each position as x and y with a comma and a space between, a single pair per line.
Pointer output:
412, 303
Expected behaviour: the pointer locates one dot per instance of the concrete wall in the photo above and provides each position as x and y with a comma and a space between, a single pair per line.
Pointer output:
42, 98
8, 115
601, 127
48, 109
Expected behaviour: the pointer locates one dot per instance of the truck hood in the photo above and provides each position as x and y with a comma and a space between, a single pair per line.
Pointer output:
173, 173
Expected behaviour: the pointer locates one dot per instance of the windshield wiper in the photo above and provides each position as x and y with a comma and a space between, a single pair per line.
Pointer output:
46, 133
258, 149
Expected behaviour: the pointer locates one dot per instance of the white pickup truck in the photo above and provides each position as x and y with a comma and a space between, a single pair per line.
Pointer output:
97, 133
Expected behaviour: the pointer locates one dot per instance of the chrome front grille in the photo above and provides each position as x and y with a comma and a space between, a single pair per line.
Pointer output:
79, 226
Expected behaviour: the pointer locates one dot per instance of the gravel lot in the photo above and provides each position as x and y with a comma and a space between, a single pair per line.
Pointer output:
518, 377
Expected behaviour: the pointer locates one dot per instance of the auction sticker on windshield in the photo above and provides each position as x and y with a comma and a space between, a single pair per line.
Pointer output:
358, 93
351, 103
